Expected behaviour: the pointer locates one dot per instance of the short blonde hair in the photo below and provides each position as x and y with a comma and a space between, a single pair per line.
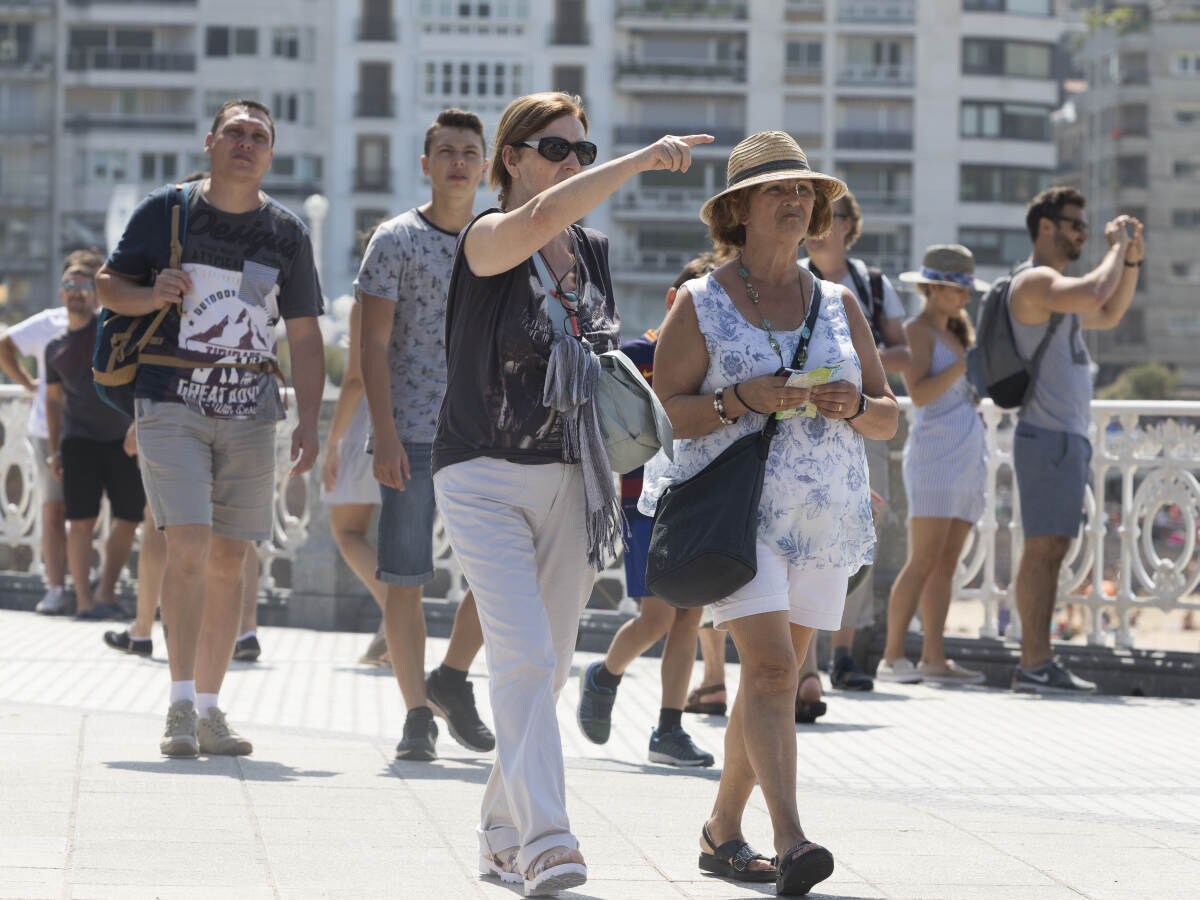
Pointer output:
854, 211
522, 119
726, 228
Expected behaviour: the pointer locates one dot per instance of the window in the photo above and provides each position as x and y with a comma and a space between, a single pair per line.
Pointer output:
804, 56
159, 167
1186, 270
1132, 171
1019, 59
1186, 168
1001, 184
1012, 121
1014, 7
1186, 218
292, 43
996, 246
1186, 64
101, 166
214, 99
1187, 116
566, 78
220, 40
16, 43
295, 106
457, 81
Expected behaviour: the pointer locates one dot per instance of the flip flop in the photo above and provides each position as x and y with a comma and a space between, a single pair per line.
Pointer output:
802, 867
732, 860
705, 707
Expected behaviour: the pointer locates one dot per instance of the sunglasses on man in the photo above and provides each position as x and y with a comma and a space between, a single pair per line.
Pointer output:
556, 149
1079, 225
77, 287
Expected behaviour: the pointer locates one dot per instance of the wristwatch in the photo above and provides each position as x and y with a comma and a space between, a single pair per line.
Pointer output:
862, 408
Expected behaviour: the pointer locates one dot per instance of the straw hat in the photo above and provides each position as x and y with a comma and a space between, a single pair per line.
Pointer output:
950, 264
770, 156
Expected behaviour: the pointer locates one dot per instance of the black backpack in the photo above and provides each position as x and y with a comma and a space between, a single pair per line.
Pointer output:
872, 300
995, 367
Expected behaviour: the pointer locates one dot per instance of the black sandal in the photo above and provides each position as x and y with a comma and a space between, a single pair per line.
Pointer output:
801, 868
705, 707
732, 860
808, 711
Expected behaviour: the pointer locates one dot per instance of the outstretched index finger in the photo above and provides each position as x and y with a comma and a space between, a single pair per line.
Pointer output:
693, 139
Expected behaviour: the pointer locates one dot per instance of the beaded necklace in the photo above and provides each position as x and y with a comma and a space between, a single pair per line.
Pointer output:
766, 326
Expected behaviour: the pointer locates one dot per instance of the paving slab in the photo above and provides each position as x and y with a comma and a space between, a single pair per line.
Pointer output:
920, 793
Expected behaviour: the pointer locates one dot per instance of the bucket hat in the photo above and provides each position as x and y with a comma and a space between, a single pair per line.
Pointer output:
951, 264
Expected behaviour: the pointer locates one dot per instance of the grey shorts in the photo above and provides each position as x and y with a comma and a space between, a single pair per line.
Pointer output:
405, 551
202, 471
50, 489
1051, 469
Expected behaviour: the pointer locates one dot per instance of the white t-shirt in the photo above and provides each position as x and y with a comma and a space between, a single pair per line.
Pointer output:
893, 308
30, 338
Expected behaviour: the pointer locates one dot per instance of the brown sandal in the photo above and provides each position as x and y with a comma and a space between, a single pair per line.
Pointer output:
808, 711
705, 707
501, 864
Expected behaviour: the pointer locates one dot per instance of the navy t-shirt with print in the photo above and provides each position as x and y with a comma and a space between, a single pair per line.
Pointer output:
248, 270
85, 415
499, 333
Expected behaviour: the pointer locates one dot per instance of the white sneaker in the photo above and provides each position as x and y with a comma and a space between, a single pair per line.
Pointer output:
53, 602
899, 672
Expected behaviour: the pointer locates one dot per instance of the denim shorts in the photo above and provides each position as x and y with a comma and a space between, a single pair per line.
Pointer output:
1051, 468
405, 552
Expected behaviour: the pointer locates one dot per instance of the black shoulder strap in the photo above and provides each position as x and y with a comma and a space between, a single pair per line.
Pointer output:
799, 358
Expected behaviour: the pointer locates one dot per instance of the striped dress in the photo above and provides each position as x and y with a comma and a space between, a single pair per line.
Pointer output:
945, 457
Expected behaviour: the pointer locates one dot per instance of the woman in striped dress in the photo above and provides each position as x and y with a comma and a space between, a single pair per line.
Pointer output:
944, 466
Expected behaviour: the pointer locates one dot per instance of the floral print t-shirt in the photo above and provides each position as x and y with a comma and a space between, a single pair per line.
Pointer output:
408, 261
816, 501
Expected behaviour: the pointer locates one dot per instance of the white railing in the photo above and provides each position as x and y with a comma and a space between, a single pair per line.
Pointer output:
1145, 461
1145, 469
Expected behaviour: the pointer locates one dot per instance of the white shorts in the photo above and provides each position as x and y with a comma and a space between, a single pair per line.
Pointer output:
811, 597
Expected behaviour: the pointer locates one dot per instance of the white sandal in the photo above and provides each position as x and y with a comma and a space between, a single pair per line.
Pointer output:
552, 876
501, 864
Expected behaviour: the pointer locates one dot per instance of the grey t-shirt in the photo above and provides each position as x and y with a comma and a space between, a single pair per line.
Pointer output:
85, 415
408, 261
1062, 393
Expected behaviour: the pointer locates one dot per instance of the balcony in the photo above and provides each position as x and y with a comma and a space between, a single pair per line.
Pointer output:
104, 59
886, 202
28, 7
644, 203
39, 65
804, 10
31, 124
863, 139
375, 29
569, 34
375, 106
874, 12
683, 70
640, 265
683, 9
32, 192
641, 135
876, 74
126, 2
88, 121
803, 73
372, 178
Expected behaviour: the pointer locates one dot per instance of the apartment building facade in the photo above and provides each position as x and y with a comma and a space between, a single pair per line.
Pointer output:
118, 94
1134, 147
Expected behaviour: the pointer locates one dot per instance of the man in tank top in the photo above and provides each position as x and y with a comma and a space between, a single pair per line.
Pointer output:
1051, 450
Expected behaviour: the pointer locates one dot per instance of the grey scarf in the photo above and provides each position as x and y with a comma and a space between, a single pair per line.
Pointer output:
571, 378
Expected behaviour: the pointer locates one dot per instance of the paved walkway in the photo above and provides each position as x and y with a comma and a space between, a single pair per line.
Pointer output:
920, 792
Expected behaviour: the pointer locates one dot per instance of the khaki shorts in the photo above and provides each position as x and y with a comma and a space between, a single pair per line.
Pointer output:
203, 471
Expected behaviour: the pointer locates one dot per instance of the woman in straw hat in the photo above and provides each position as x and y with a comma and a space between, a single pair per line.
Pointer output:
716, 370
520, 471
944, 466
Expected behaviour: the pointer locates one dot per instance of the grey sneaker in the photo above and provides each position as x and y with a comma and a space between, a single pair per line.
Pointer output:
676, 748
54, 602
594, 714
179, 737
218, 739
419, 741
1051, 677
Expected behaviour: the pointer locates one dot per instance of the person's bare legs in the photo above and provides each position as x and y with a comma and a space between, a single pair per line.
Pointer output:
637, 635
222, 593
349, 523
760, 740
152, 559
809, 689
117, 547
712, 651
936, 594
182, 597
404, 625
679, 653
54, 542
466, 636
249, 592
926, 537
79, 559
1037, 591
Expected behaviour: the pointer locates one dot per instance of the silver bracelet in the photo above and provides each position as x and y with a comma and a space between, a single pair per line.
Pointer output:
719, 406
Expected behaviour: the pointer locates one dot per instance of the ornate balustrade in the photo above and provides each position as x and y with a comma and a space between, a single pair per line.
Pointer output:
1139, 532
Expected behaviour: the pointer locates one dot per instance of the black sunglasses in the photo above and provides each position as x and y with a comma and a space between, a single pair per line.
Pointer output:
1079, 225
556, 149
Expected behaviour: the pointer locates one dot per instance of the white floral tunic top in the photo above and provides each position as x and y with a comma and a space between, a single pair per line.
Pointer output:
816, 501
